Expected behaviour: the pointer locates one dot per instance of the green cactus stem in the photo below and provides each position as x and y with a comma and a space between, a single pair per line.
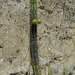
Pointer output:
33, 37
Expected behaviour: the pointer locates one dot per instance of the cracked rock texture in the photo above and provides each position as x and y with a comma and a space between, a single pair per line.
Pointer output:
55, 36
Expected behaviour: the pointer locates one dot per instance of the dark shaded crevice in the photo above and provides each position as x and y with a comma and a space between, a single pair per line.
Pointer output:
14, 74
19, 73
13, 56
18, 1
1, 25
49, 11
42, 8
65, 38
1, 46
26, 73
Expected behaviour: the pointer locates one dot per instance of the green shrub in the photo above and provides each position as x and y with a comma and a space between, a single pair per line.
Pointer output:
70, 73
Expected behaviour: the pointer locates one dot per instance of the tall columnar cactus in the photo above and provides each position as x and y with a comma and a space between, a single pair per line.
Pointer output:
33, 37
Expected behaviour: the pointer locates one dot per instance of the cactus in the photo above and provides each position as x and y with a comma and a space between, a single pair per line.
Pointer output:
39, 20
33, 37
35, 21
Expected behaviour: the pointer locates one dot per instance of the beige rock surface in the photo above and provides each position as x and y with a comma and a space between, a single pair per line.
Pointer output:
56, 36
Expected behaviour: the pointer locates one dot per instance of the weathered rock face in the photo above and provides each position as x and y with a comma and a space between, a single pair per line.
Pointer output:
56, 35
14, 36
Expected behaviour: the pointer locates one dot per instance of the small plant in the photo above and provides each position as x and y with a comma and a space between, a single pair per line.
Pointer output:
74, 68
49, 70
40, 71
64, 70
45, 69
18, 51
70, 73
